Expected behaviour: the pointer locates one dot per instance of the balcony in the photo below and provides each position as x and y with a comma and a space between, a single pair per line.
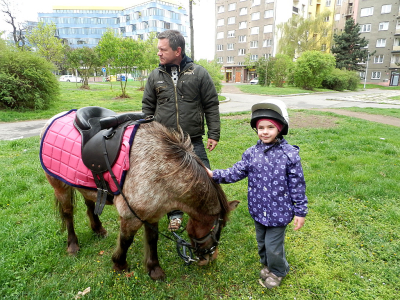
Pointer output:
295, 10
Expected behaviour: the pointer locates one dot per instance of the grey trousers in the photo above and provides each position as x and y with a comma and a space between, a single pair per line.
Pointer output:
271, 248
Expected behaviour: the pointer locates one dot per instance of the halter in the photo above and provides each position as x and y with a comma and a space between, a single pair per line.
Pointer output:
212, 234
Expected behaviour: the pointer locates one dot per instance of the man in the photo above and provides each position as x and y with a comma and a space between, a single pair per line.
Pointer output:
182, 94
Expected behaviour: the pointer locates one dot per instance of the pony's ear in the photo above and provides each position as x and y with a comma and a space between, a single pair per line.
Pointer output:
233, 204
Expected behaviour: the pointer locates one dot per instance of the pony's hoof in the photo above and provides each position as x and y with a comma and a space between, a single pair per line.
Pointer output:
121, 268
101, 232
73, 249
157, 274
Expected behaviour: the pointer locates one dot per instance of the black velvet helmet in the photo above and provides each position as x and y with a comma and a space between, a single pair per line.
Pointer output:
270, 109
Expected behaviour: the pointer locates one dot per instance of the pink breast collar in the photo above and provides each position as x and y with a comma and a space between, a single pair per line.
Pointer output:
61, 155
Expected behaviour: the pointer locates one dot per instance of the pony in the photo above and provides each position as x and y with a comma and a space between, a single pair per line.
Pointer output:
164, 175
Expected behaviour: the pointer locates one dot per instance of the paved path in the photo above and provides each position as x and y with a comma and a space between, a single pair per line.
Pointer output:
239, 102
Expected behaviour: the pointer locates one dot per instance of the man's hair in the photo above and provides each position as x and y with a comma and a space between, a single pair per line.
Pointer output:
175, 39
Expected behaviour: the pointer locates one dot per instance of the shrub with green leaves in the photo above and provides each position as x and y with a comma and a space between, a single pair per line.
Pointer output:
214, 69
26, 81
340, 80
311, 69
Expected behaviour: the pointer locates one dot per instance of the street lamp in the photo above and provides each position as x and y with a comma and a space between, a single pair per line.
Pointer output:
366, 70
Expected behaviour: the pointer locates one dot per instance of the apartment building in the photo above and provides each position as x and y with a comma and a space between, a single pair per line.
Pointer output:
247, 28
84, 25
380, 25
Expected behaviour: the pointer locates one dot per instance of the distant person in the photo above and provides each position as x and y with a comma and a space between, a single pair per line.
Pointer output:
276, 187
181, 94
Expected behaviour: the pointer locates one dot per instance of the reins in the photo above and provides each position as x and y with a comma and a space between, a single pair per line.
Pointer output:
183, 248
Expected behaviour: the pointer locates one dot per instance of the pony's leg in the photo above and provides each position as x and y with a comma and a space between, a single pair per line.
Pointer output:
126, 234
95, 222
65, 200
151, 259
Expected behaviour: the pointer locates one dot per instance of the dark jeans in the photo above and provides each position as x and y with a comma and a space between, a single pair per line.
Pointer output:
271, 248
200, 151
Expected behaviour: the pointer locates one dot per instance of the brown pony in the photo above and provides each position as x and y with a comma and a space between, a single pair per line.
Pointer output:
164, 175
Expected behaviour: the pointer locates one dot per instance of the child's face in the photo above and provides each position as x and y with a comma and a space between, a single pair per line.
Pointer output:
267, 131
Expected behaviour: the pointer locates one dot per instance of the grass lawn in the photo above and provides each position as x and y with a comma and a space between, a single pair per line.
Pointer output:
349, 247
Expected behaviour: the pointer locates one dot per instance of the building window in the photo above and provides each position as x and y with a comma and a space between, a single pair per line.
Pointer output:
254, 30
367, 11
231, 33
269, 1
220, 60
243, 11
386, 9
231, 6
269, 13
254, 44
242, 38
242, 25
230, 46
267, 43
337, 17
384, 26
229, 59
323, 47
220, 35
326, 19
255, 16
376, 75
365, 28
328, 3
267, 55
242, 52
231, 20
221, 9
253, 57
267, 28
255, 2
396, 42
338, 2
380, 43
220, 47
220, 22
378, 59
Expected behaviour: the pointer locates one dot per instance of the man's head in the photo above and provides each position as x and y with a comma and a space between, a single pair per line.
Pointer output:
171, 47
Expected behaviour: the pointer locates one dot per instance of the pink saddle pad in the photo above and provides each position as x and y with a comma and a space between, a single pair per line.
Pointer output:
61, 155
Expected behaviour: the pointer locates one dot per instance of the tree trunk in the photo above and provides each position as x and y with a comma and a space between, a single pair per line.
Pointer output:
191, 29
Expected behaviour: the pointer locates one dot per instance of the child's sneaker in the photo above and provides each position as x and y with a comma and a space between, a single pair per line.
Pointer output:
264, 273
271, 281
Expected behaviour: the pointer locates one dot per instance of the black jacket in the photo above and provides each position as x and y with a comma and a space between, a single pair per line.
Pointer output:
186, 105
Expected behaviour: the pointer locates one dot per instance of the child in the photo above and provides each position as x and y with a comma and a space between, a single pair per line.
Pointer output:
276, 187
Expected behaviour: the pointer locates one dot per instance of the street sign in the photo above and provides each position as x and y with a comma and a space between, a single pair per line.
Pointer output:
103, 69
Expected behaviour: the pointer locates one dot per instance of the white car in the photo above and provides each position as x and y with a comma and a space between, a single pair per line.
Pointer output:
70, 78
254, 80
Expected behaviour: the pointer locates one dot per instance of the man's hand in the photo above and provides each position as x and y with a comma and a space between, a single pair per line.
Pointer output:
211, 144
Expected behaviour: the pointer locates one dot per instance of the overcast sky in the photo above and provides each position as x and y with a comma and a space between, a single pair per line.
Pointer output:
204, 18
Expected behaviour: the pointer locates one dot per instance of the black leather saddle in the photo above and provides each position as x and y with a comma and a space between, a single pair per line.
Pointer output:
102, 131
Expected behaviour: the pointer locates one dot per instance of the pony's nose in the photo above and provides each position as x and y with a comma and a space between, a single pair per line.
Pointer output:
204, 260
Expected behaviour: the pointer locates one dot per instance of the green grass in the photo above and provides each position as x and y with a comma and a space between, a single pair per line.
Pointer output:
377, 86
349, 247
272, 90
103, 94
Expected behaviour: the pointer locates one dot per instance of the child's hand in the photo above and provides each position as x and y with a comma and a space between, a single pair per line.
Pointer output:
298, 222
209, 172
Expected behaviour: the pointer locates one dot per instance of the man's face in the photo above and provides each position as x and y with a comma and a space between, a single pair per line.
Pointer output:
166, 54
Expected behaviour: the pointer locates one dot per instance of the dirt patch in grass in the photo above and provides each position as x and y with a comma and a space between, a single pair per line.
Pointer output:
299, 120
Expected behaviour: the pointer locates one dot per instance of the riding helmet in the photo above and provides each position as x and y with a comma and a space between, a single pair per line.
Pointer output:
270, 109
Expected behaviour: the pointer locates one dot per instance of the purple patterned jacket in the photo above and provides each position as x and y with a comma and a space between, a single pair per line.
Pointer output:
276, 185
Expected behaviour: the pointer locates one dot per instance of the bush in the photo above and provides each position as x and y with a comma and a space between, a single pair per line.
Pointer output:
26, 81
340, 80
214, 69
311, 68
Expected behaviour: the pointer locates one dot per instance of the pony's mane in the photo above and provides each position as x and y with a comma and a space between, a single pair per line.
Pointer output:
177, 146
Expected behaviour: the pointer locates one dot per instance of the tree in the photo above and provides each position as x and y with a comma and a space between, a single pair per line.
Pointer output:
349, 48
214, 69
264, 68
108, 50
84, 61
18, 29
300, 34
47, 45
150, 59
311, 69
282, 66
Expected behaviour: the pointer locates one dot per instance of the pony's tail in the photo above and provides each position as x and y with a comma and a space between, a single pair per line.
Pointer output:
68, 203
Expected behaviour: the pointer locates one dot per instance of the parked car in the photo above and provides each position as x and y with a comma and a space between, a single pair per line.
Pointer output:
254, 80
70, 78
